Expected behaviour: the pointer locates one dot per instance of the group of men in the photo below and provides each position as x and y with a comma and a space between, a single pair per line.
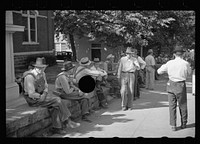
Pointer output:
123, 78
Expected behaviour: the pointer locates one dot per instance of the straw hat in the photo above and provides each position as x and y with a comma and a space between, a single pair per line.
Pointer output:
40, 62
85, 61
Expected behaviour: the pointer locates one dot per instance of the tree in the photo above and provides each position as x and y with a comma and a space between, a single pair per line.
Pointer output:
113, 28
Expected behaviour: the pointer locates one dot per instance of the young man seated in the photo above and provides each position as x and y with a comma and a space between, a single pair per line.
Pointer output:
67, 90
100, 83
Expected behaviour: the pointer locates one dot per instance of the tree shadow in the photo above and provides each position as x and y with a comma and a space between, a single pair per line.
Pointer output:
99, 120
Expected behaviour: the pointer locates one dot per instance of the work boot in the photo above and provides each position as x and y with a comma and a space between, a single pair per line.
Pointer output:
183, 126
173, 128
84, 118
72, 124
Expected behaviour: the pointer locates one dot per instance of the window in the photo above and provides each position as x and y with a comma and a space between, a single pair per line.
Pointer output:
29, 19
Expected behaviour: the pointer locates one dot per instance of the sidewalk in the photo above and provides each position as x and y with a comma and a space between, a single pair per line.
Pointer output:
149, 118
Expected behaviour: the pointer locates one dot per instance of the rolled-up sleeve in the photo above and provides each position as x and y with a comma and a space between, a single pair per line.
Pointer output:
142, 62
65, 84
162, 69
46, 85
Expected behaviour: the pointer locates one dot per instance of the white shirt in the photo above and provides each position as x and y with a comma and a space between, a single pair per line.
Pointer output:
127, 65
29, 81
85, 72
177, 69
141, 62
150, 61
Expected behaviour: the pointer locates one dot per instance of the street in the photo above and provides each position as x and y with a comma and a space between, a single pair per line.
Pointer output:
149, 118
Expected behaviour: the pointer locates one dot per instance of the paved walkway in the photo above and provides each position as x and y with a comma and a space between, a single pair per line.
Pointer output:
149, 118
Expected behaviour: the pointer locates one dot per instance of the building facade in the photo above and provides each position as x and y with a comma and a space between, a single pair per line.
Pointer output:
38, 35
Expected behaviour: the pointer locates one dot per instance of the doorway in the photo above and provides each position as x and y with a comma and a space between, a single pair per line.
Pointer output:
96, 53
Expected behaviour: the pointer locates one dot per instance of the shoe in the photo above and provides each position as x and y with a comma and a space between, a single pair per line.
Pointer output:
58, 131
124, 108
91, 111
84, 118
183, 126
129, 108
173, 128
72, 124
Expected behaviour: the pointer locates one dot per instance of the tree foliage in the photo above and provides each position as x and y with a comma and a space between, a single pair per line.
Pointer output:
117, 28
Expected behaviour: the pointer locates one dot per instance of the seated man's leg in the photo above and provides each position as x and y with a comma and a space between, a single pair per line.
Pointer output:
102, 99
84, 104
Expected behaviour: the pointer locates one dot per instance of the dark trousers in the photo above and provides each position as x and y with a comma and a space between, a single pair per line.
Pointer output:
83, 102
58, 109
177, 93
136, 86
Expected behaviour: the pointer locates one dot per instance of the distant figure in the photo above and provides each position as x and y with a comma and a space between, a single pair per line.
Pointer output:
150, 70
177, 70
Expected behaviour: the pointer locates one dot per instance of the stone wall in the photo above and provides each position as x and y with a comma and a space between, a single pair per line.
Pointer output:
25, 121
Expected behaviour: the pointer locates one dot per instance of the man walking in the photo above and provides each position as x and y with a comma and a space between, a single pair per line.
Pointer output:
150, 70
177, 70
127, 66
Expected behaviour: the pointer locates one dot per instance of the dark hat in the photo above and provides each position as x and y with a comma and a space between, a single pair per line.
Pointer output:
85, 61
96, 60
178, 48
40, 62
67, 66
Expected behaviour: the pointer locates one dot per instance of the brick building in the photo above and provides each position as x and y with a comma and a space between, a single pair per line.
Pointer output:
38, 35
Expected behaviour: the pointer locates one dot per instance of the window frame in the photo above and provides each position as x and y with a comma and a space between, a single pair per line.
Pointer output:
29, 16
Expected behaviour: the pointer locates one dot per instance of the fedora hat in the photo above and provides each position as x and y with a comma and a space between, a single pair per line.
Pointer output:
150, 51
110, 56
85, 61
96, 60
40, 62
130, 50
178, 48
67, 66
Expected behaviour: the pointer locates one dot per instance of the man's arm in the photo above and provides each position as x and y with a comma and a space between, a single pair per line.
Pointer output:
46, 85
65, 84
189, 70
119, 69
162, 69
142, 62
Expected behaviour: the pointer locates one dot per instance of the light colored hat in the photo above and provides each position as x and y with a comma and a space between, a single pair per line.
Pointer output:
110, 56
40, 62
85, 61
96, 60
67, 66
178, 48
150, 51
130, 50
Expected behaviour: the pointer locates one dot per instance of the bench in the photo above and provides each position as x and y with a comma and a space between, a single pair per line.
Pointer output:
25, 121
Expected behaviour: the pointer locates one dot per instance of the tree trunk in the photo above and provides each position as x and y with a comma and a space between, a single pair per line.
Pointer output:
71, 38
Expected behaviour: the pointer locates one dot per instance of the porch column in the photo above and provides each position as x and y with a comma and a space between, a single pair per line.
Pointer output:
12, 88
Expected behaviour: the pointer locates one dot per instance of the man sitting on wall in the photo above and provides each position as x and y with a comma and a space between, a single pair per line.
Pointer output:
67, 90
35, 91
100, 83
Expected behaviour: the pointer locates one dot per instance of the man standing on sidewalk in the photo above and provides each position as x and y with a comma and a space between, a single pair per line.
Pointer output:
127, 67
177, 70
150, 70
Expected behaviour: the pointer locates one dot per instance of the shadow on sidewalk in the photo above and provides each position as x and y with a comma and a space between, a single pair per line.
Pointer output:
187, 126
99, 121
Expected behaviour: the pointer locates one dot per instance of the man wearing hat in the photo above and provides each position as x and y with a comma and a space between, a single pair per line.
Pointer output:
177, 70
110, 68
36, 94
150, 70
64, 85
127, 67
100, 81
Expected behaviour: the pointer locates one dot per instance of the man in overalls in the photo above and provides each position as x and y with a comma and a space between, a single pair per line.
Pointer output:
67, 90
36, 94
177, 70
